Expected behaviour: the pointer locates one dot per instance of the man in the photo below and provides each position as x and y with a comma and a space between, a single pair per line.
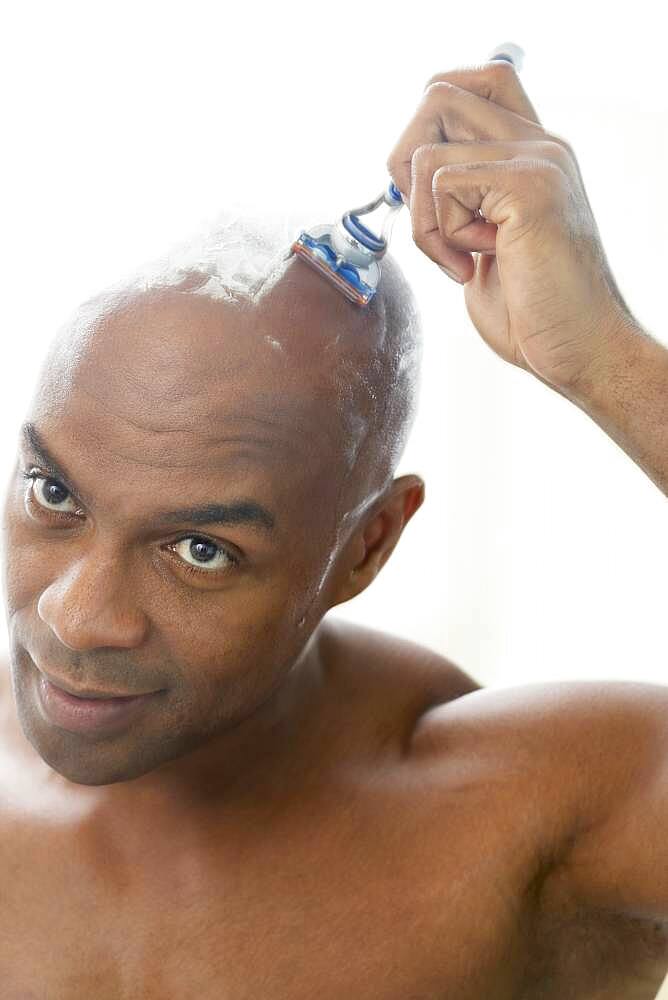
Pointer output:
296, 807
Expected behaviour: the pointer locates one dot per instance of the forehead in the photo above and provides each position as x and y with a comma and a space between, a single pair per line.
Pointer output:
173, 380
172, 355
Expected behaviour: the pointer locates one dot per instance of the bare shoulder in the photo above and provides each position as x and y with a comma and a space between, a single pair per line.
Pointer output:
589, 760
393, 658
564, 729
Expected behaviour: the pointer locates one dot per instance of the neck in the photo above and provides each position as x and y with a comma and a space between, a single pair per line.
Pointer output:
230, 768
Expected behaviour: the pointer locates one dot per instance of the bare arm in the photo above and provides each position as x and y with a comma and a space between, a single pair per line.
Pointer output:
619, 859
626, 393
586, 764
499, 202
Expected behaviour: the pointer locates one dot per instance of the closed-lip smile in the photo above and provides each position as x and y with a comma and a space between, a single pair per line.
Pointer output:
89, 693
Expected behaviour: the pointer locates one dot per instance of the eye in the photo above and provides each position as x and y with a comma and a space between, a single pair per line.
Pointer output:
49, 493
198, 554
202, 554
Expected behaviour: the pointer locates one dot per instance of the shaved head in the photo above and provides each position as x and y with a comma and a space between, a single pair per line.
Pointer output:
231, 327
245, 389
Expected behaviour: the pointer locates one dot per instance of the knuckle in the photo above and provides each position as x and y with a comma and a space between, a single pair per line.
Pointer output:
437, 89
557, 152
421, 152
439, 177
547, 177
436, 78
566, 151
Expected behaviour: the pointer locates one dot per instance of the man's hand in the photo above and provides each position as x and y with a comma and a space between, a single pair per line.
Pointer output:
481, 174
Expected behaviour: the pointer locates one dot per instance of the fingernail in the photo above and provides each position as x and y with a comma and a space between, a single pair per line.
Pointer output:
451, 274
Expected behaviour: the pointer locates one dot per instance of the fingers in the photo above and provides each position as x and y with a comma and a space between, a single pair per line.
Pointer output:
473, 139
497, 81
447, 230
488, 103
474, 204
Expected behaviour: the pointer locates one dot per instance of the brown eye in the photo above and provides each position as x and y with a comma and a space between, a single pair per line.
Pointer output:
50, 494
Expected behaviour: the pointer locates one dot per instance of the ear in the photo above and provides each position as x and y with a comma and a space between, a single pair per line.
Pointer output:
371, 545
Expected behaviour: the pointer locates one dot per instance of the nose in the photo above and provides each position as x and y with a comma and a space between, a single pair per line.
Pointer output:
90, 605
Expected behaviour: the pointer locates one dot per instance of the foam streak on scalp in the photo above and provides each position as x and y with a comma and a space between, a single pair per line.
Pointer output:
358, 368
238, 258
242, 258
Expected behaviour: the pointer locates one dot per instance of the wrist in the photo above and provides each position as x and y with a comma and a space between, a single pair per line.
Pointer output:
625, 349
626, 394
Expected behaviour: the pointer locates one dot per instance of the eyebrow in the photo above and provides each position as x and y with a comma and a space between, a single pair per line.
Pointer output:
242, 511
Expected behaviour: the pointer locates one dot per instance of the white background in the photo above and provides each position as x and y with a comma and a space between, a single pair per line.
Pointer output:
541, 550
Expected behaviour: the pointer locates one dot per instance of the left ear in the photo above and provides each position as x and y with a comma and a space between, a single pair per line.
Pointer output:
372, 545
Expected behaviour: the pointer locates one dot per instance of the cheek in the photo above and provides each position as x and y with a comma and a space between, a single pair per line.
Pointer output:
25, 562
231, 666
248, 628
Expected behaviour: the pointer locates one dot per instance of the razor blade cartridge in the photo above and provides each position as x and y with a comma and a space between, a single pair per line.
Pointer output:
357, 282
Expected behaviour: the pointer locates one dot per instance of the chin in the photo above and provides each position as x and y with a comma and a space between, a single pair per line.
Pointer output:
77, 761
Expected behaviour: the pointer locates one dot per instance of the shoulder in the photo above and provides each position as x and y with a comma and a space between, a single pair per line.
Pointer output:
588, 762
383, 656
595, 733
383, 683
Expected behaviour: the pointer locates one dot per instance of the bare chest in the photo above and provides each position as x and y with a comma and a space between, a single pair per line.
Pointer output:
291, 912
373, 896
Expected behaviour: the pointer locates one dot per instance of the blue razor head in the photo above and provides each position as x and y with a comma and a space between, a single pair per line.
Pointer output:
322, 253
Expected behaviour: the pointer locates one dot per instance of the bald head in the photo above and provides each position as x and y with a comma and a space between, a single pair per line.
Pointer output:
210, 336
206, 469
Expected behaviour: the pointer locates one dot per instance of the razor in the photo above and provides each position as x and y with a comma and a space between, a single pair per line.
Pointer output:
348, 252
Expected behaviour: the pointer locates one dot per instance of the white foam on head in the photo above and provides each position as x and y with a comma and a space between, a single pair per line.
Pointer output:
238, 258
240, 255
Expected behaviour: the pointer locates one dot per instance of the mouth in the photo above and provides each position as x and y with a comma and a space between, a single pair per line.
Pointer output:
99, 715
90, 694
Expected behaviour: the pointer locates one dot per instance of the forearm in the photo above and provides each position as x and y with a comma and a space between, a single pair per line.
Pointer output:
627, 395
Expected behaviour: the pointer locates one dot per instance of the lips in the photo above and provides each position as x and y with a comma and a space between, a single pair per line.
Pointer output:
89, 693
99, 718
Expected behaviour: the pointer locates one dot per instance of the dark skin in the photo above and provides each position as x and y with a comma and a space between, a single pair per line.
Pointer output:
224, 634
308, 808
